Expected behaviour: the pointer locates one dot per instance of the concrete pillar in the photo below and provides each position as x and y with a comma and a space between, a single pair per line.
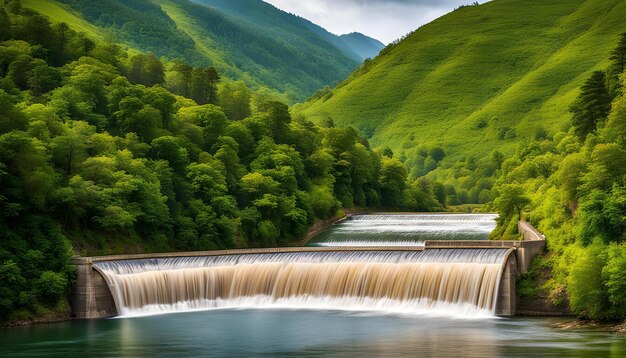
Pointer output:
90, 296
506, 301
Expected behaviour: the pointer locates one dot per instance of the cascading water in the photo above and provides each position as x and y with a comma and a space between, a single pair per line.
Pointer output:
405, 229
459, 282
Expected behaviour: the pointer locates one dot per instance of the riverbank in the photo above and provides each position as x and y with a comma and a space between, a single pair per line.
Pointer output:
322, 225
53, 316
617, 328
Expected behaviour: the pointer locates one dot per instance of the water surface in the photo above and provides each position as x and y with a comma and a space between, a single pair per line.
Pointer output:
307, 333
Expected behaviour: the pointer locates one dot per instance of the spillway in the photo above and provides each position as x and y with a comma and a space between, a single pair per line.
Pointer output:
404, 229
458, 282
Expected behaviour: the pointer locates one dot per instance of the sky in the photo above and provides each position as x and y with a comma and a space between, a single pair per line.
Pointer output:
384, 20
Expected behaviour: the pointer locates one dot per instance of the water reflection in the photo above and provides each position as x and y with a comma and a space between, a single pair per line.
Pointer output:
288, 333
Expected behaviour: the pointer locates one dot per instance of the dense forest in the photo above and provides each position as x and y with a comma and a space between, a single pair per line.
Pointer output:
103, 150
573, 188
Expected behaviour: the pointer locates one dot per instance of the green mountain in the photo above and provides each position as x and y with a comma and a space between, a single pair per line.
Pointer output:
295, 30
480, 78
365, 46
205, 36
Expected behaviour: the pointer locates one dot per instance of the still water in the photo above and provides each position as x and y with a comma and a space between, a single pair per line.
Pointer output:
307, 333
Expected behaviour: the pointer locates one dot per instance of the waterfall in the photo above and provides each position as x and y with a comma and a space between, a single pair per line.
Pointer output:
405, 229
460, 282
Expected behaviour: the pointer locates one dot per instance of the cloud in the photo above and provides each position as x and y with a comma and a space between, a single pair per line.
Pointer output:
385, 20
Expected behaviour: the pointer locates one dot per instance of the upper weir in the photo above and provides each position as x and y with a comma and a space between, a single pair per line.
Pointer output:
98, 292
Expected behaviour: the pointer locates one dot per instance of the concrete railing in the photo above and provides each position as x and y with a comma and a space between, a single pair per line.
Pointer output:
534, 242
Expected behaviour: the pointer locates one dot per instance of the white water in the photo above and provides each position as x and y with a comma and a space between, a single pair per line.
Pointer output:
461, 283
403, 218
405, 230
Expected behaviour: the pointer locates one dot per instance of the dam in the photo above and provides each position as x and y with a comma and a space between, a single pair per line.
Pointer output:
468, 278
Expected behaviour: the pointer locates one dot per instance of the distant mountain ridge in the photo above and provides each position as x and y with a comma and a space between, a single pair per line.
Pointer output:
293, 28
278, 51
363, 45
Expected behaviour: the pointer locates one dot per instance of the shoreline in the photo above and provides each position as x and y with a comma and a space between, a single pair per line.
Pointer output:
39, 321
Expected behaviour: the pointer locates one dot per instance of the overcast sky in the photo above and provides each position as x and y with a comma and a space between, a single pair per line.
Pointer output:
385, 20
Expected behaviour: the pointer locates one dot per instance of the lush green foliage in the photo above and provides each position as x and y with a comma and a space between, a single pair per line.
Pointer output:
295, 66
477, 82
98, 156
573, 188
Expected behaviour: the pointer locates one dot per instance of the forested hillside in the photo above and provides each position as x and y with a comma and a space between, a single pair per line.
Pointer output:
298, 32
573, 188
107, 151
204, 36
459, 94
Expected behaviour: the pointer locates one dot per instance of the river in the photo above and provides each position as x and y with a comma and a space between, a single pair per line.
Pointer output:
268, 328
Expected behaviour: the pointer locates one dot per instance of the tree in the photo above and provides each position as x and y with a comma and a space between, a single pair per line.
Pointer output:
588, 296
323, 202
392, 179
43, 78
203, 85
154, 72
592, 106
199, 86
19, 70
437, 154
161, 99
70, 148
11, 118
146, 69
213, 78
618, 56
511, 201
167, 148
227, 154
210, 118
133, 116
180, 82
234, 98
207, 181
615, 129
614, 274
243, 137
279, 121
570, 175
5, 25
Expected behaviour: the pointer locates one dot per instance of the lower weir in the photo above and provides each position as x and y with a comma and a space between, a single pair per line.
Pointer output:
463, 282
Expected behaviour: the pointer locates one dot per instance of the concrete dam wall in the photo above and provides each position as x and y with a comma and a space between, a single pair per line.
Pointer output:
478, 276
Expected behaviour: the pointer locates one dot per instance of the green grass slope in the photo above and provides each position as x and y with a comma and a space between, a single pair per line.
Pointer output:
480, 78
205, 36
61, 13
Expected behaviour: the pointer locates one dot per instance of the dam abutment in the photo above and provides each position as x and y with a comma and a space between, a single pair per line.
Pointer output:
91, 295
